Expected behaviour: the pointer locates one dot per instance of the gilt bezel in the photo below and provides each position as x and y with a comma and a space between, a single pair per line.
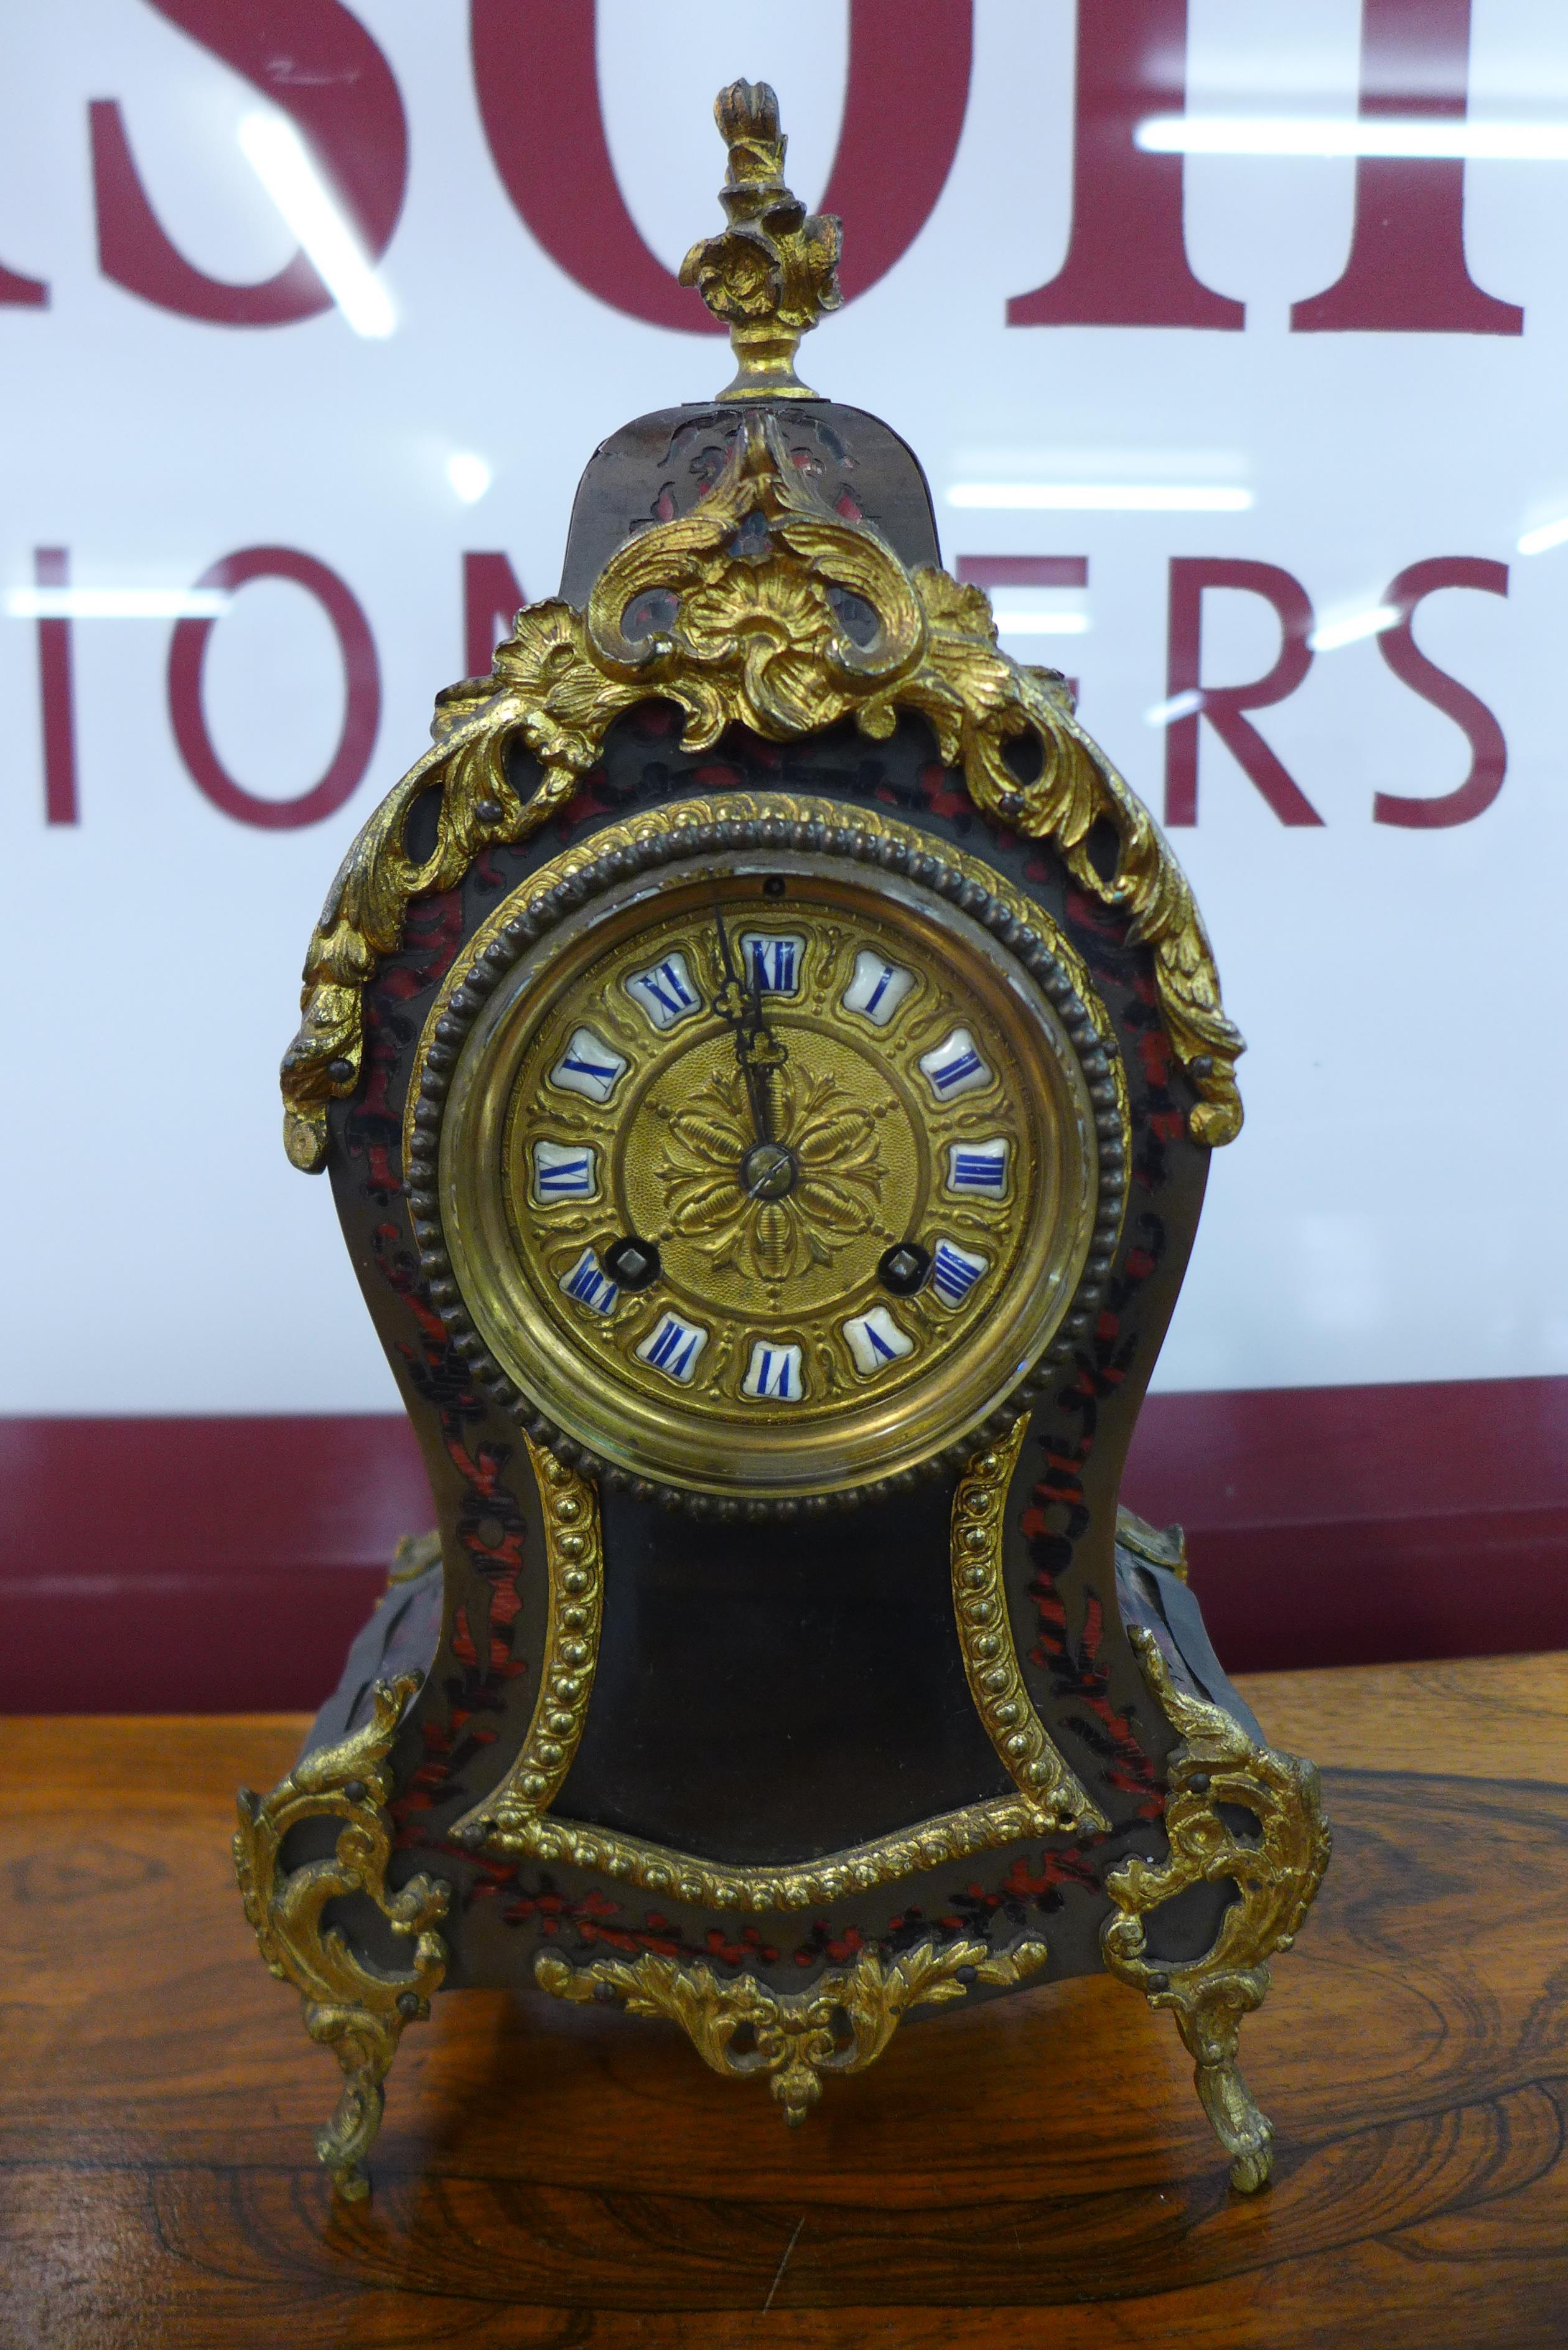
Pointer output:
686, 833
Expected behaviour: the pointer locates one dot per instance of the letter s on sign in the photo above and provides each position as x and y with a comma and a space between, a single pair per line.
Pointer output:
317, 63
1489, 752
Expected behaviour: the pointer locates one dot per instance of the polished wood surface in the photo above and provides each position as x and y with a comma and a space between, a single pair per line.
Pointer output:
1034, 2172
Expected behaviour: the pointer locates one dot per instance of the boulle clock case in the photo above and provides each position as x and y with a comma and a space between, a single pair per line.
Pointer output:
767, 1062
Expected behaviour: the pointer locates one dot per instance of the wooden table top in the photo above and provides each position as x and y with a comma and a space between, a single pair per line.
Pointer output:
1035, 2171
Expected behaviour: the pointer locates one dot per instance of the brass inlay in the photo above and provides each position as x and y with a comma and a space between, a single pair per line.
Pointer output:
757, 641
414, 1557
793, 2039
514, 1817
356, 2009
1161, 1545
990, 1654
774, 271
1275, 1875
869, 1139
574, 1565
800, 1885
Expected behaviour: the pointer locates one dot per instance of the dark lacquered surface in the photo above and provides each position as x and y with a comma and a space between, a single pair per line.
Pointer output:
659, 465
774, 1693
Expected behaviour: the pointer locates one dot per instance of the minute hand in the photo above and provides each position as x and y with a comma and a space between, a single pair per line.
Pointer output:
762, 1052
757, 1050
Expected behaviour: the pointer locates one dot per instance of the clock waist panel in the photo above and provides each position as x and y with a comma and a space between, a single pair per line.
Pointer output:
771, 1693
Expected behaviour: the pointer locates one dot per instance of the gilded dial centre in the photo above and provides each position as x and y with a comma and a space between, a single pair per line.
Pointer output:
765, 1182
799, 1215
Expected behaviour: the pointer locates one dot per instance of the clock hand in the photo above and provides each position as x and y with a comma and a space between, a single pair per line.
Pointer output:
732, 975
759, 1058
763, 1053
756, 1048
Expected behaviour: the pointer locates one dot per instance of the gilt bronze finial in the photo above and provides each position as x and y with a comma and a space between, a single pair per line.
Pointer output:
774, 271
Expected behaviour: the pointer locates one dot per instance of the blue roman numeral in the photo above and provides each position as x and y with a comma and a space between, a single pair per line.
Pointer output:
877, 988
674, 994
590, 1285
775, 1373
773, 965
954, 1073
954, 1066
666, 992
581, 1069
955, 1274
878, 992
569, 1179
674, 1346
978, 1170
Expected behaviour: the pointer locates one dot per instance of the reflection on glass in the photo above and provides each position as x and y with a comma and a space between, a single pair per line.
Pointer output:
1352, 627
1180, 705
116, 603
469, 476
277, 154
1415, 135
1039, 612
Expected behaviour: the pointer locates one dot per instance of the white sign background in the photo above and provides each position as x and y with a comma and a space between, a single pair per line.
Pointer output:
1388, 1213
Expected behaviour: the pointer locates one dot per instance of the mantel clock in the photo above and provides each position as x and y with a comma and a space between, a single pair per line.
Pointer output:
767, 1062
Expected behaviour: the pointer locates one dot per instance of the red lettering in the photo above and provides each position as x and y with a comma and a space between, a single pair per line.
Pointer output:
52, 569
1407, 271
492, 600
904, 104
361, 702
537, 75
19, 293
1489, 752
1126, 261
318, 65
1222, 705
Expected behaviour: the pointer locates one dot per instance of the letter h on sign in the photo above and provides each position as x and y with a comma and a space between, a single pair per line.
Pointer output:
1126, 261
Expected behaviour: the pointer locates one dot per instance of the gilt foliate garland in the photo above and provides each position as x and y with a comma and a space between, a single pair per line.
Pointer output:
355, 2007
1275, 1865
750, 596
793, 2040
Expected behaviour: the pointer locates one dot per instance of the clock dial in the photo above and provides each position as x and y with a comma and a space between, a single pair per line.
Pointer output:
766, 1179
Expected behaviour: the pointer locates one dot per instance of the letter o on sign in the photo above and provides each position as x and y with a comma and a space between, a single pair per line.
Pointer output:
361, 691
